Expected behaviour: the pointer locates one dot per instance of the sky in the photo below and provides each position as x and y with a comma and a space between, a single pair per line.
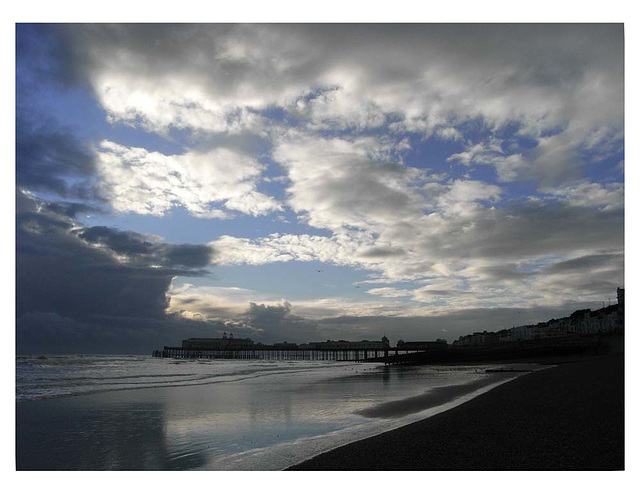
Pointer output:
305, 182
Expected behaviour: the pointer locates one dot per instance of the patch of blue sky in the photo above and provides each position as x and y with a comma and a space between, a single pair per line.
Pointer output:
289, 280
431, 153
278, 114
519, 190
274, 180
180, 226
606, 168
486, 174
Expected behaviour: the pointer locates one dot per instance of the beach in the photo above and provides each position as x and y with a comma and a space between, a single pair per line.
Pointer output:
141, 413
567, 417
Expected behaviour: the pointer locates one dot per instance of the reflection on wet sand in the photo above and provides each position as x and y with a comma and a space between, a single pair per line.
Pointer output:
265, 422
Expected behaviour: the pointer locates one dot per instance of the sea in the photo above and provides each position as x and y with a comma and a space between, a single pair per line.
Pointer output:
98, 412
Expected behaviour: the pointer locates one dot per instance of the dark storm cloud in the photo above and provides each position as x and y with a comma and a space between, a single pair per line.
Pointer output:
42, 54
185, 255
58, 273
40, 332
143, 251
127, 242
51, 159
70, 209
81, 290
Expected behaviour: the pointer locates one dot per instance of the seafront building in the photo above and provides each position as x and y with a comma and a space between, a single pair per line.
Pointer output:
603, 321
224, 343
439, 344
347, 345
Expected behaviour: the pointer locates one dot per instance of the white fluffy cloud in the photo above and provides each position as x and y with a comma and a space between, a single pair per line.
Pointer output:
608, 196
136, 180
415, 78
339, 249
339, 182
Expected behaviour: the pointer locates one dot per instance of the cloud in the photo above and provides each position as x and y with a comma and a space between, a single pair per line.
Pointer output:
51, 159
287, 247
390, 292
145, 250
85, 286
211, 302
382, 252
70, 209
609, 261
607, 196
339, 182
206, 71
429, 79
449, 133
462, 195
150, 183
270, 315
508, 165
500, 255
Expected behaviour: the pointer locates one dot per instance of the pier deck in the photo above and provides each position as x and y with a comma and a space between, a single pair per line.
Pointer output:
275, 353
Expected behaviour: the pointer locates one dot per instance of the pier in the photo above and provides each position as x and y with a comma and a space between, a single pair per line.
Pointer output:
245, 348
405, 353
281, 353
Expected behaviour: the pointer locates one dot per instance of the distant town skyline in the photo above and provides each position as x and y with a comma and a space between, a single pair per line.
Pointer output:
310, 182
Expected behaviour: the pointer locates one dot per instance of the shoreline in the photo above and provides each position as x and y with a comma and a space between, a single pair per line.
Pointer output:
582, 427
340, 438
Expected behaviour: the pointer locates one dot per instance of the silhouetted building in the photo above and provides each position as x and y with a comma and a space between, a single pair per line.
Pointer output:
607, 320
620, 293
223, 343
348, 345
439, 344
477, 339
285, 345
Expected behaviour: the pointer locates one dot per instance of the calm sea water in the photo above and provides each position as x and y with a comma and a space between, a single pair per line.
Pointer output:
136, 412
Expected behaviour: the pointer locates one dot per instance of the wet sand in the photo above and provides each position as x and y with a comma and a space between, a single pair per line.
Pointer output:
434, 398
569, 417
